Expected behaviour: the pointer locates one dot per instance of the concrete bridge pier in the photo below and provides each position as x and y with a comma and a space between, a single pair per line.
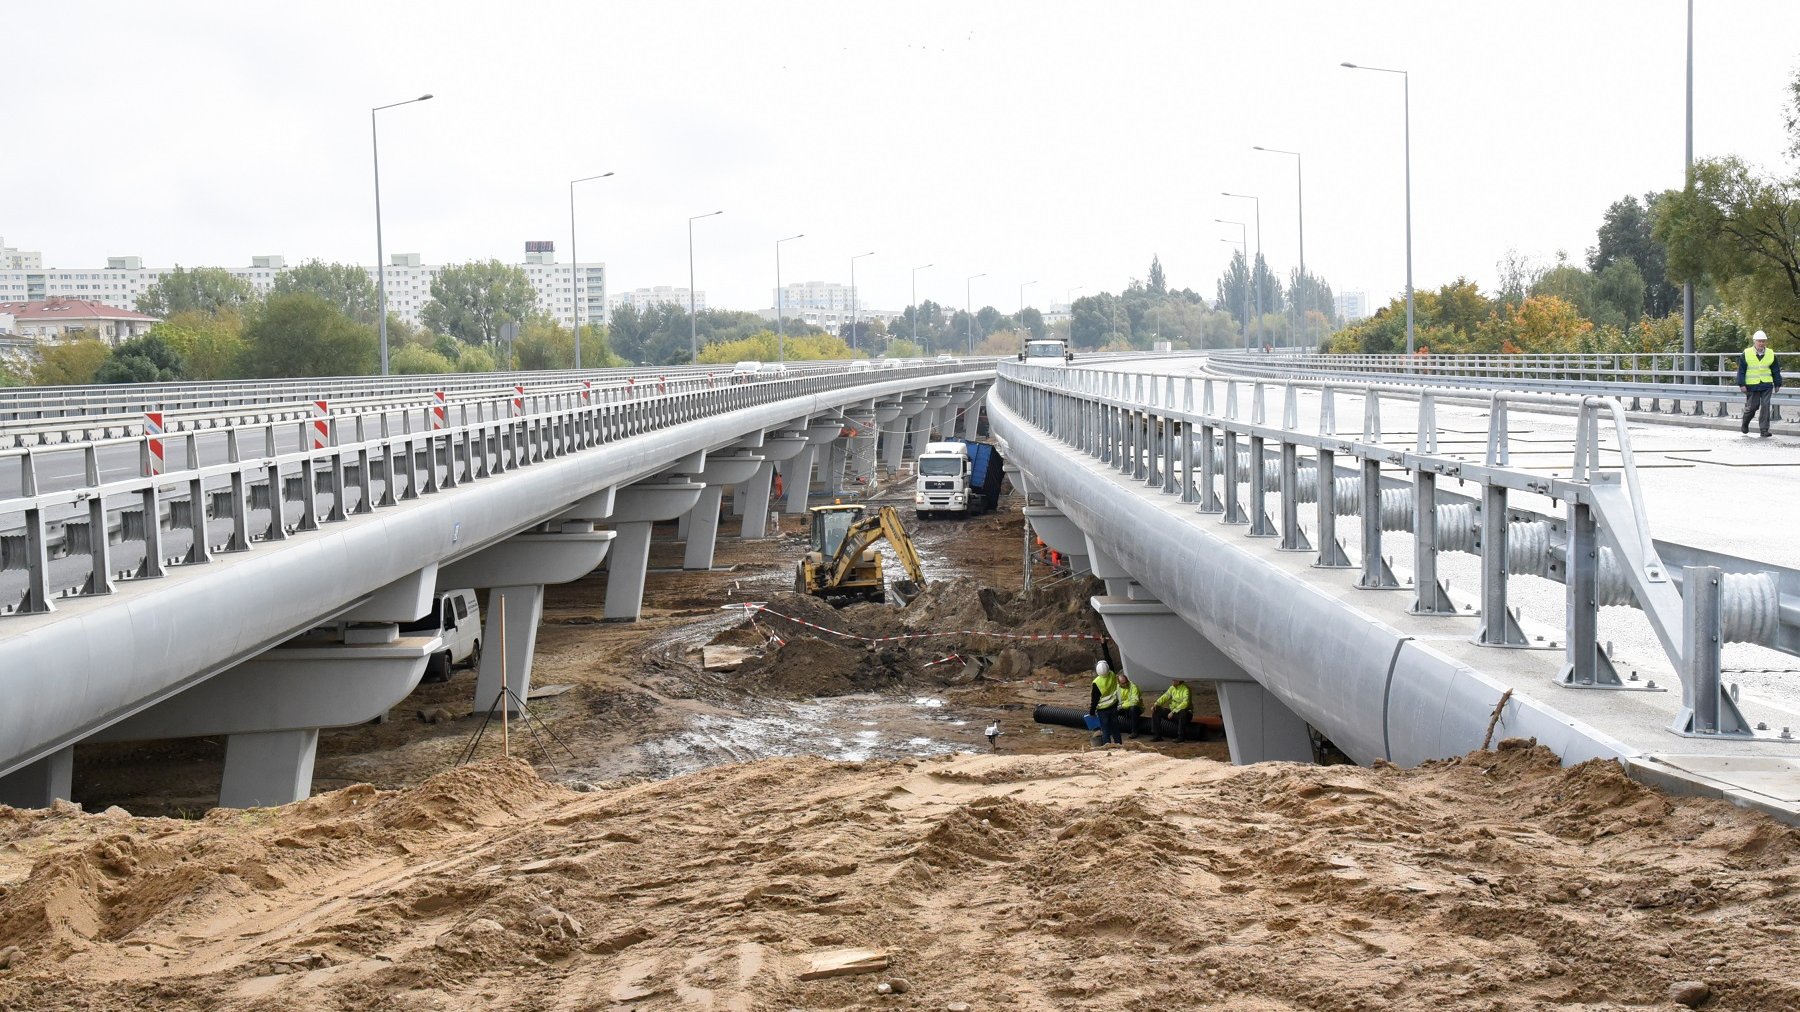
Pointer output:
960, 398
1061, 534
937, 410
270, 708
887, 418
40, 783
819, 433
971, 412
637, 508
514, 573
1157, 645
775, 449
703, 518
904, 426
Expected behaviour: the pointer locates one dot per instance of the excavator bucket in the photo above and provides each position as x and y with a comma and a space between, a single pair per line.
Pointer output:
902, 592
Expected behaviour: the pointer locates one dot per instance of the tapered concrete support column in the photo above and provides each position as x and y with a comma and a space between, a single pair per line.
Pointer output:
271, 707
703, 530
776, 448
513, 614
629, 562
834, 466
1260, 728
753, 495
1060, 533
971, 415
1118, 581
268, 768
1158, 646
638, 507
937, 403
44, 781
796, 475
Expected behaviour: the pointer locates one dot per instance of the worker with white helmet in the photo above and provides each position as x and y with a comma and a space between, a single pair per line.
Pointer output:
1103, 702
1758, 376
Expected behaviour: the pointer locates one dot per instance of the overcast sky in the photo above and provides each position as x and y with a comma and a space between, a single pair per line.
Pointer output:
1062, 143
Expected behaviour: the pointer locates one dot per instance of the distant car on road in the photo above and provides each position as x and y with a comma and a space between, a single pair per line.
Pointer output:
771, 370
744, 372
860, 365
946, 358
890, 363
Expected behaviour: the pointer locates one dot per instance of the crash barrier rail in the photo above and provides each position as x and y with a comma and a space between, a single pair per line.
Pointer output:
1652, 383
256, 482
1151, 429
45, 415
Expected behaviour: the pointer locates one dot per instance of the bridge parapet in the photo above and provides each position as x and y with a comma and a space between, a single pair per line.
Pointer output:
1167, 433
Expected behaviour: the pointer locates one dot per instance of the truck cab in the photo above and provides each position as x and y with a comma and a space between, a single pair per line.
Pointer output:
1047, 351
942, 485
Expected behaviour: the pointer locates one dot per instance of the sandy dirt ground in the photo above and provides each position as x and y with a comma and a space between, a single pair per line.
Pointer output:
1111, 879
641, 706
665, 837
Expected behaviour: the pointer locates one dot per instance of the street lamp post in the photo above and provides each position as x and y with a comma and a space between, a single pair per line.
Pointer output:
780, 322
969, 308
1255, 282
915, 301
1300, 195
1022, 331
1244, 245
1406, 100
854, 315
1069, 299
575, 264
381, 254
1687, 287
694, 327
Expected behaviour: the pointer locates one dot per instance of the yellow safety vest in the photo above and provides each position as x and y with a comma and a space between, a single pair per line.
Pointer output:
1758, 371
1175, 699
1108, 684
1130, 697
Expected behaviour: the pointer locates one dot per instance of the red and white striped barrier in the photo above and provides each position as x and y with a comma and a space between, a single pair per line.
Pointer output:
518, 401
587, 392
440, 409
756, 607
321, 425
153, 430
662, 384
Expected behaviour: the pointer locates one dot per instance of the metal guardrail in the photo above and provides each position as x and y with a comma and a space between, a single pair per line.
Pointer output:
43, 415
1652, 383
365, 466
1152, 428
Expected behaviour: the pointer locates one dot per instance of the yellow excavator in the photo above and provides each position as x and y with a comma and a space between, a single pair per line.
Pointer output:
842, 560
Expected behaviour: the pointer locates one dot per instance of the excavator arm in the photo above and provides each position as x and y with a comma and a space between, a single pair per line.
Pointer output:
864, 533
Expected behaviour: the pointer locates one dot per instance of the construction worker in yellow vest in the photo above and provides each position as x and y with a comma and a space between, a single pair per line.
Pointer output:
1103, 702
1758, 376
1175, 705
1131, 706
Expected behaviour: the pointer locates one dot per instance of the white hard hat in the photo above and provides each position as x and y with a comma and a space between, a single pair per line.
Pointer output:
1759, 336
1102, 668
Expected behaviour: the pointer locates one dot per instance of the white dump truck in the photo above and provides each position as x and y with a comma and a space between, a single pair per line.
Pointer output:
957, 478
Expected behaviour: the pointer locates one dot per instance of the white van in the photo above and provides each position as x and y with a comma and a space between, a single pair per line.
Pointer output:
456, 617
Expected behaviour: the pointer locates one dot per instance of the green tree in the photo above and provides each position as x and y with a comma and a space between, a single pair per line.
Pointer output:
346, 286
304, 335
475, 360
205, 290
210, 345
1626, 234
417, 359
903, 348
474, 300
1741, 232
1159, 281
72, 363
545, 344
12, 372
146, 359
